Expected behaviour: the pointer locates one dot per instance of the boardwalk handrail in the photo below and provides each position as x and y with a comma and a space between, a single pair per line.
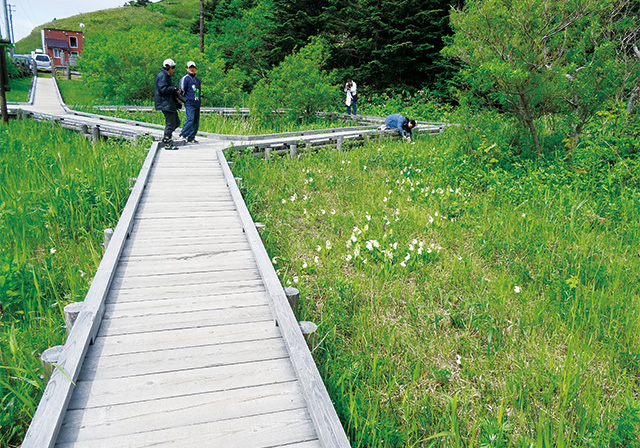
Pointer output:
329, 429
49, 415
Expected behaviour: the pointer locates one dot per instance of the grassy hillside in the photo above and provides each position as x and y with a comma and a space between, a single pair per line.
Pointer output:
166, 13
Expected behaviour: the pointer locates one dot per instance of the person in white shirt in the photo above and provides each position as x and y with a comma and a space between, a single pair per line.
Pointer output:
352, 96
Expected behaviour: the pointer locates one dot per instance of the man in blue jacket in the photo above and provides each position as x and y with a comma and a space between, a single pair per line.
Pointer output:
166, 100
190, 86
402, 124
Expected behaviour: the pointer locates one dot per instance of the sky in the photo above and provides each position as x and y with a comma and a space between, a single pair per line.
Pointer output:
28, 14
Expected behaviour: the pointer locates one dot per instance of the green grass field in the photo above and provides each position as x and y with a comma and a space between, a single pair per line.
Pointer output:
58, 193
459, 304
19, 92
462, 298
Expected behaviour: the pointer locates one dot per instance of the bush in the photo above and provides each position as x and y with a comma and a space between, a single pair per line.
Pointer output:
299, 84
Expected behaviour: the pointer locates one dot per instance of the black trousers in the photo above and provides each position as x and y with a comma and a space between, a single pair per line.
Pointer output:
171, 122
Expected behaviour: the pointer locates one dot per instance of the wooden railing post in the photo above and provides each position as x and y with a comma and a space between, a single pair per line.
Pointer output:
293, 296
308, 330
293, 150
95, 133
49, 357
108, 233
71, 312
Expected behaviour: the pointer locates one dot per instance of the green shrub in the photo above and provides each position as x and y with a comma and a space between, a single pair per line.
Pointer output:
299, 84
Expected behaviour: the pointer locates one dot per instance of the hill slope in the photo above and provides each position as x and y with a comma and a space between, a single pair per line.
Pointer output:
166, 13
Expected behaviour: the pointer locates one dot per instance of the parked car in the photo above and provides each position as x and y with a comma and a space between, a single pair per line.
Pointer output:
43, 62
25, 60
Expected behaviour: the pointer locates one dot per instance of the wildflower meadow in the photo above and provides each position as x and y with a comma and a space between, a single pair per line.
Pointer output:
461, 299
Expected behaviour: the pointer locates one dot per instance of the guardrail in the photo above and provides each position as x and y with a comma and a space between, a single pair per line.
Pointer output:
49, 415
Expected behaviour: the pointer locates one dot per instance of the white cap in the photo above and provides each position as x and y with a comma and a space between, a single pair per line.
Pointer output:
191, 64
168, 63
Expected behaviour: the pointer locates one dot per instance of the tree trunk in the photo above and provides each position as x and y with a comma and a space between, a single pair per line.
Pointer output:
201, 26
635, 92
633, 98
527, 118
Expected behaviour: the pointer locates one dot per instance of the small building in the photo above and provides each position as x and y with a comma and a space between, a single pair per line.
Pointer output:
62, 46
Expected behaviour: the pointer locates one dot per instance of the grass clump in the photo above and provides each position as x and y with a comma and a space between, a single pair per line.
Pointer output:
58, 192
19, 92
463, 298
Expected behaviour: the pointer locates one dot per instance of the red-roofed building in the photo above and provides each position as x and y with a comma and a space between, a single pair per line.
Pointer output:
62, 46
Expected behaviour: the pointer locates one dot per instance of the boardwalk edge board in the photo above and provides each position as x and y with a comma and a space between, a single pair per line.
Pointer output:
46, 422
330, 430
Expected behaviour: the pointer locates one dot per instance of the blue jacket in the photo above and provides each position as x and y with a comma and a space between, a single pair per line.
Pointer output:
190, 85
396, 121
165, 92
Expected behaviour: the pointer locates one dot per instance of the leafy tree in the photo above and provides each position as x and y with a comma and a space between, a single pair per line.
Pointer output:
138, 3
539, 56
123, 66
390, 44
243, 44
299, 84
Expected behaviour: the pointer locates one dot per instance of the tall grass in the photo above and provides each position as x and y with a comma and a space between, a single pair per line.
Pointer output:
19, 92
58, 192
462, 299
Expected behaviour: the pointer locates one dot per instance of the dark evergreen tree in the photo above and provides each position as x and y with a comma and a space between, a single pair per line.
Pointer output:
385, 44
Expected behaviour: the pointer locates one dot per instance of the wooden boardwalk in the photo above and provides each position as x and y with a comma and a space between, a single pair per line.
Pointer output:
188, 352
185, 338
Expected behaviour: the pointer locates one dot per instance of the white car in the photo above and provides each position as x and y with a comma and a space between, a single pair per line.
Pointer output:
43, 62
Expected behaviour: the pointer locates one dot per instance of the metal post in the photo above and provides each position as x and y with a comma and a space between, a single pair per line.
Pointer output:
4, 79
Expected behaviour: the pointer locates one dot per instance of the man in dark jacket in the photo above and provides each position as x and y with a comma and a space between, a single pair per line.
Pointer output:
166, 99
190, 85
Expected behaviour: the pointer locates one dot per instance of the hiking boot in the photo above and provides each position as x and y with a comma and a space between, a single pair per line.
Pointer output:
193, 140
168, 144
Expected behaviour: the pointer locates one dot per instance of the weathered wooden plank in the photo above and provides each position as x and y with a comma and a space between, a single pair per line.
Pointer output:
183, 320
183, 273
194, 224
328, 426
174, 412
186, 263
209, 286
177, 233
144, 247
164, 340
108, 392
187, 303
199, 356
220, 213
212, 205
258, 431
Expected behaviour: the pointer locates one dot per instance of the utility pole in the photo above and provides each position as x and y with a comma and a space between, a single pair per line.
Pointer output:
4, 17
11, 10
201, 26
4, 80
